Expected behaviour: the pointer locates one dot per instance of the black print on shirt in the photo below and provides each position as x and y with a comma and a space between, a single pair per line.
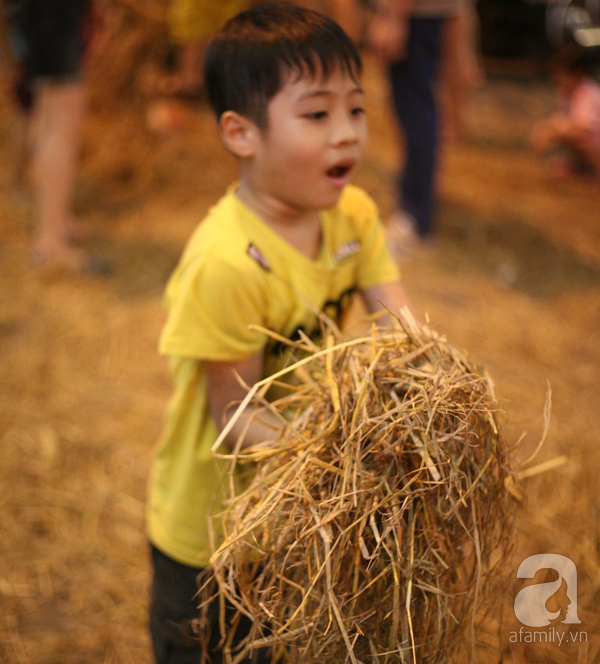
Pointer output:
333, 309
255, 253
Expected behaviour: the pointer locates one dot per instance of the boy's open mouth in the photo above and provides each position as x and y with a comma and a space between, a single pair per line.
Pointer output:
339, 171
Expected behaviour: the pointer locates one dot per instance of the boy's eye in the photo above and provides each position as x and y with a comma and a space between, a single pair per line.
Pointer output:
317, 115
358, 110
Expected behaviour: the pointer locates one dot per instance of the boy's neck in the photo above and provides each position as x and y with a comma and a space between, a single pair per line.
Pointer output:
300, 228
272, 211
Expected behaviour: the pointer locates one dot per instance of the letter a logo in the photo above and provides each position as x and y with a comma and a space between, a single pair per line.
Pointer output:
530, 603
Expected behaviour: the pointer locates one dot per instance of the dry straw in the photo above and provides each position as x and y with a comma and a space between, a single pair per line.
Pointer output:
370, 529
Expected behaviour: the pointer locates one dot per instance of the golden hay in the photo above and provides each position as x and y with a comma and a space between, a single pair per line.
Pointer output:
373, 521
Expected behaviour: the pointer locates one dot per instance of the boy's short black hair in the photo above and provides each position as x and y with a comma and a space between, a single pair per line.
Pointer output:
248, 61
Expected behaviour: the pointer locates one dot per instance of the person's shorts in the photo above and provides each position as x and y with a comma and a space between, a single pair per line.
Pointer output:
49, 37
173, 609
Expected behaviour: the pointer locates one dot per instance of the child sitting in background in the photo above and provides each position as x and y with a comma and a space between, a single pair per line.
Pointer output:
570, 138
291, 239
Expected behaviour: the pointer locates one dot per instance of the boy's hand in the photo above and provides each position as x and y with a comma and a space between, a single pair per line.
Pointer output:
390, 296
225, 392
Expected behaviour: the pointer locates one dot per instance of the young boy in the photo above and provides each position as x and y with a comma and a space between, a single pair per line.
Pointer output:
289, 240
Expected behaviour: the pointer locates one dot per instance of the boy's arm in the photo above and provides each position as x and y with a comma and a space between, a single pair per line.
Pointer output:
224, 394
390, 296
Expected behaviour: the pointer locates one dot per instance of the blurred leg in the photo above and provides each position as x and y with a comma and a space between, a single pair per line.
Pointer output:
190, 57
59, 110
461, 71
413, 82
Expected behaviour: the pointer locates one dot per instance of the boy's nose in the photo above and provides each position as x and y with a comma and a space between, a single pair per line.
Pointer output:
346, 129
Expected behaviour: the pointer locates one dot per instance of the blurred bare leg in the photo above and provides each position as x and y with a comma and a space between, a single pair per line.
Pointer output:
190, 57
24, 148
59, 110
461, 70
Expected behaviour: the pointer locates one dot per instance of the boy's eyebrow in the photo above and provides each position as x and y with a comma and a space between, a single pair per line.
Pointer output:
325, 93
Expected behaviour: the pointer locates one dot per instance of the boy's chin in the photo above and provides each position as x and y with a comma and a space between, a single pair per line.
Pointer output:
331, 200
317, 202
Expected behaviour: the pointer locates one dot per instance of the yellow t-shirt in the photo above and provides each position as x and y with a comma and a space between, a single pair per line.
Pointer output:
236, 271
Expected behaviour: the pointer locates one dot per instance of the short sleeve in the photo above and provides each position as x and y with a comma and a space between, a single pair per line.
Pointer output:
376, 264
212, 305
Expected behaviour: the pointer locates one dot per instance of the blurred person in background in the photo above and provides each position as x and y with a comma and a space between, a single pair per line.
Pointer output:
49, 41
461, 68
191, 23
569, 139
409, 36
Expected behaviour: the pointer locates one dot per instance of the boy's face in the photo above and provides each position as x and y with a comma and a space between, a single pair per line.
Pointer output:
314, 139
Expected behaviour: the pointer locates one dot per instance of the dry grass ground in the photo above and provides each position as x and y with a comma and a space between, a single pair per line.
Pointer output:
514, 279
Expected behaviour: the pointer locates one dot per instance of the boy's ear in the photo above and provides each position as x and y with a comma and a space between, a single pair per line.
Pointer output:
237, 133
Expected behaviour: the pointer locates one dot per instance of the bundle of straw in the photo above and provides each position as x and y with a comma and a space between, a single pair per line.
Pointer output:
367, 531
